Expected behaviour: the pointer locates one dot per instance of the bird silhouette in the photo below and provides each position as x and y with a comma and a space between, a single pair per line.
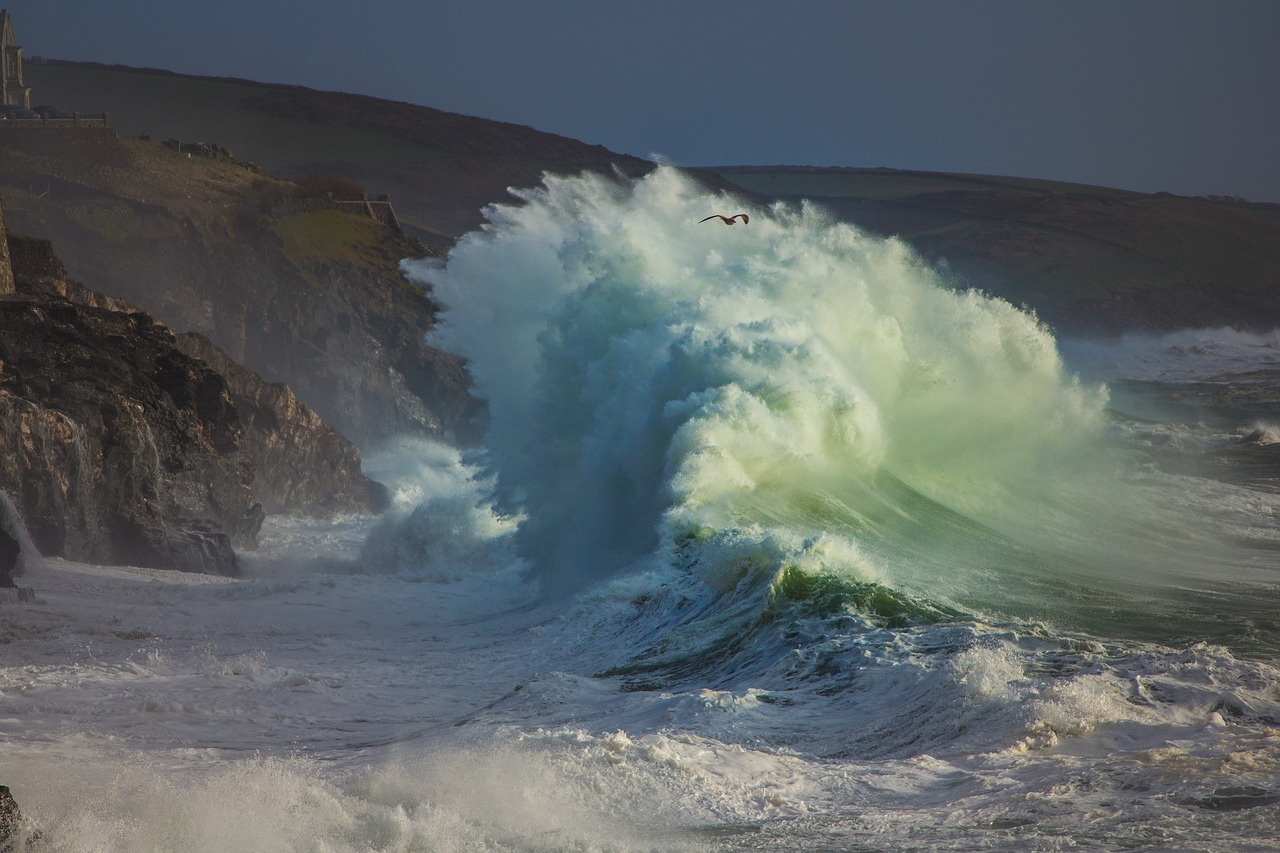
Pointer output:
728, 220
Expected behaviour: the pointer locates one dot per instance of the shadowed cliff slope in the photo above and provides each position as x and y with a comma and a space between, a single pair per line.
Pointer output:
300, 464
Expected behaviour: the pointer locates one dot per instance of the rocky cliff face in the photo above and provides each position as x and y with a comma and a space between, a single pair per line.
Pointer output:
6, 268
312, 298
116, 446
303, 466
17, 552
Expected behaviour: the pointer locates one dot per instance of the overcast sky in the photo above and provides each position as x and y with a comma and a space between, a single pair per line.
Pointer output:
1142, 94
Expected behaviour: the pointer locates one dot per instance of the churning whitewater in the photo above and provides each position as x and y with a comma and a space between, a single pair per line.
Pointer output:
778, 540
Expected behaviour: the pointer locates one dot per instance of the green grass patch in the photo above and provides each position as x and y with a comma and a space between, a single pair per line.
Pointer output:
330, 237
112, 220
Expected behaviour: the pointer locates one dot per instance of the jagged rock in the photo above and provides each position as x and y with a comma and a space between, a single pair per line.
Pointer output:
17, 554
6, 269
10, 553
116, 446
303, 465
10, 820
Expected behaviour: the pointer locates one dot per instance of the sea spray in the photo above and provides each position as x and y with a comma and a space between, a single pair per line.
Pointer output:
649, 375
27, 559
441, 524
749, 687
795, 395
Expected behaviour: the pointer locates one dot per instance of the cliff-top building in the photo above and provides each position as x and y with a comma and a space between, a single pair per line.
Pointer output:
15, 92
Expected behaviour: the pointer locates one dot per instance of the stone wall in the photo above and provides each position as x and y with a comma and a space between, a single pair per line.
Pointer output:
75, 120
379, 209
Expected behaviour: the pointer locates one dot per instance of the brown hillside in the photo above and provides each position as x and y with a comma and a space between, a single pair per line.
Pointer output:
1089, 260
439, 168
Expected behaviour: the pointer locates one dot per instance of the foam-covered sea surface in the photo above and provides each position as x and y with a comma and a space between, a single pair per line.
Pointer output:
778, 541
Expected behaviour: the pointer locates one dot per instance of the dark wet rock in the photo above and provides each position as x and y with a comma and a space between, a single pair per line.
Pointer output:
303, 465
10, 818
12, 829
10, 553
1234, 798
115, 445
1259, 437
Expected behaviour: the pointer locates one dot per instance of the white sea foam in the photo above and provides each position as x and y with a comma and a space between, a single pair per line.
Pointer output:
153, 711
442, 522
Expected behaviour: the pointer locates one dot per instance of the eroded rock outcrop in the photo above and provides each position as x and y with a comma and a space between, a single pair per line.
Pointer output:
17, 552
115, 445
10, 554
304, 466
16, 832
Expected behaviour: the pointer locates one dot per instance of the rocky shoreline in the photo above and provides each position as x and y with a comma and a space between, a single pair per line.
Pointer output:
121, 444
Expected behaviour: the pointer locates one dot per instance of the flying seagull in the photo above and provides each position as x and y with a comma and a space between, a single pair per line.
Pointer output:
728, 220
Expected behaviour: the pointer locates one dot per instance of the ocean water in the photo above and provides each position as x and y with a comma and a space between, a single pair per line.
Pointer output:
778, 541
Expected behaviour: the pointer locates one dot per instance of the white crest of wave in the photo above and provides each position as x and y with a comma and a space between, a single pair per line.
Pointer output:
651, 375
441, 523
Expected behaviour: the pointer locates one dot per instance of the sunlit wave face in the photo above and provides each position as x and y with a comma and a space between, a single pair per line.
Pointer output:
652, 377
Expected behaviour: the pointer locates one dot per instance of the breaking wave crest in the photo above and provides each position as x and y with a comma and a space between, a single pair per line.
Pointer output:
796, 400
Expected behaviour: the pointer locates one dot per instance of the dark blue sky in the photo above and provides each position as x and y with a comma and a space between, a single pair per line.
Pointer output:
1149, 95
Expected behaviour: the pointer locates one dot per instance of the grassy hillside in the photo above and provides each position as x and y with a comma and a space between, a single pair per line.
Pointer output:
439, 168
1088, 259
126, 194
201, 109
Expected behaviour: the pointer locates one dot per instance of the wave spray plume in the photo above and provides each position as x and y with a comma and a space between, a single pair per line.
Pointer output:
655, 387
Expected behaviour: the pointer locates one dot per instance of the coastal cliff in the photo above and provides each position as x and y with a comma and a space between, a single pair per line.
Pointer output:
121, 443
303, 466
115, 446
313, 298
